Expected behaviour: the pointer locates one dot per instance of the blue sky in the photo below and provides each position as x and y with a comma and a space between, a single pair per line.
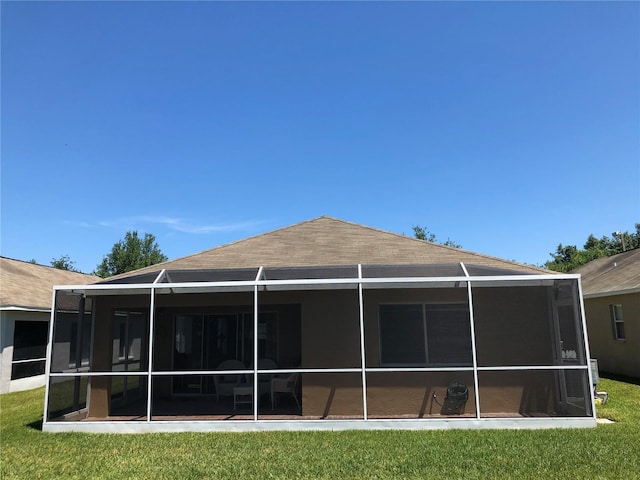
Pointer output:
509, 127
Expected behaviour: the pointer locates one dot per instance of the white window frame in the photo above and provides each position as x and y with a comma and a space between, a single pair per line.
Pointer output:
615, 308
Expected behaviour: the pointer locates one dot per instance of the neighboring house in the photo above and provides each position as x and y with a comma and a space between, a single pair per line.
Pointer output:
25, 311
611, 290
351, 327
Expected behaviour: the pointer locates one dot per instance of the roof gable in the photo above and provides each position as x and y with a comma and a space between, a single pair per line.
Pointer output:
329, 241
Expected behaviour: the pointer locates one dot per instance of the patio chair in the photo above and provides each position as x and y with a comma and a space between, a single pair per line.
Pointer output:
264, 379
226, 383
288, 384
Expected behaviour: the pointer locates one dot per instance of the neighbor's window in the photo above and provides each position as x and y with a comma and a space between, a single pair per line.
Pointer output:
618, 322
29, 348
425, 334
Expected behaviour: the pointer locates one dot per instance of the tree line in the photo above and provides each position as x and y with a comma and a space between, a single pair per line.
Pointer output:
569, 257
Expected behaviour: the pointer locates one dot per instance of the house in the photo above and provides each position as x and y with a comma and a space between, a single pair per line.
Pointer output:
25, 310
611, 289
351, 327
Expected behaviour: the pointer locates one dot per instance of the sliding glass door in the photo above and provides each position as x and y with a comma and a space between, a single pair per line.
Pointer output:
203, 342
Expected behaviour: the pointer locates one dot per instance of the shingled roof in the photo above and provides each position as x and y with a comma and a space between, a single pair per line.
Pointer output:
25, 285
330, 241
614, 275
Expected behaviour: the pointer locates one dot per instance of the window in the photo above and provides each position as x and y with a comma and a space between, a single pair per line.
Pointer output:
425, 334
128, 334
204, 342
618, 322
79, 342
29, 349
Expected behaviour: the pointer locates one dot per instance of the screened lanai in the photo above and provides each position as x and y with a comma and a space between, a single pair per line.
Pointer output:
319, 347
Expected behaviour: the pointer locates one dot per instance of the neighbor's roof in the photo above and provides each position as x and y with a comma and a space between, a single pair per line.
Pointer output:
614, 275
328, 241
25, 285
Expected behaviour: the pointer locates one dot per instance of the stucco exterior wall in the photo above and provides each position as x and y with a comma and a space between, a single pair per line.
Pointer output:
620, 357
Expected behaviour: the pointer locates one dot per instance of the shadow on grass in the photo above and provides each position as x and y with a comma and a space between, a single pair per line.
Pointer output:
37, 425
620, 378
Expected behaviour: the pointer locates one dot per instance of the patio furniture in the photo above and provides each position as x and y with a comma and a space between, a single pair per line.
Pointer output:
226, 383
264, 379
242, 395
288, 384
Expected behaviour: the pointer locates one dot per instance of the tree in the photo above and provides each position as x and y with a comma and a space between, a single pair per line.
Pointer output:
63, 263
130, 254
422, 233
569, 257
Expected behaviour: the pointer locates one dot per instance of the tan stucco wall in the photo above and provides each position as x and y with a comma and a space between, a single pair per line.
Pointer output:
512, 326
620, 357
411, 394
99, 402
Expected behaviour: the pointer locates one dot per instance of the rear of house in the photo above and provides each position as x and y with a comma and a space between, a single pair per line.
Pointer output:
413, 335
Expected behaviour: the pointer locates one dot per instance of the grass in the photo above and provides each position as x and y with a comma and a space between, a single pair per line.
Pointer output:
608, 451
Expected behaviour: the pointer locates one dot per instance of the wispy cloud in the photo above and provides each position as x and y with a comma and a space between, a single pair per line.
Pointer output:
171, 223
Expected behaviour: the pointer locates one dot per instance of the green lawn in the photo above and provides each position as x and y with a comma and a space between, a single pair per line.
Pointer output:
608, 451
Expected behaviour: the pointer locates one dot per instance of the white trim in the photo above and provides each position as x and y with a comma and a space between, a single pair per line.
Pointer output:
612, 294
474, 352
317, 370
363, 361
528, 423
259, 274
28, 360
160, 275
15, 308
129, 373
587, 352
47, 368
532, 367
152, 306
249, 284
464, 269
256, 393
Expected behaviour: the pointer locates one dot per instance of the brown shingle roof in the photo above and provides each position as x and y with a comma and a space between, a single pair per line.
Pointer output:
27, 285
329, 241
610, 275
